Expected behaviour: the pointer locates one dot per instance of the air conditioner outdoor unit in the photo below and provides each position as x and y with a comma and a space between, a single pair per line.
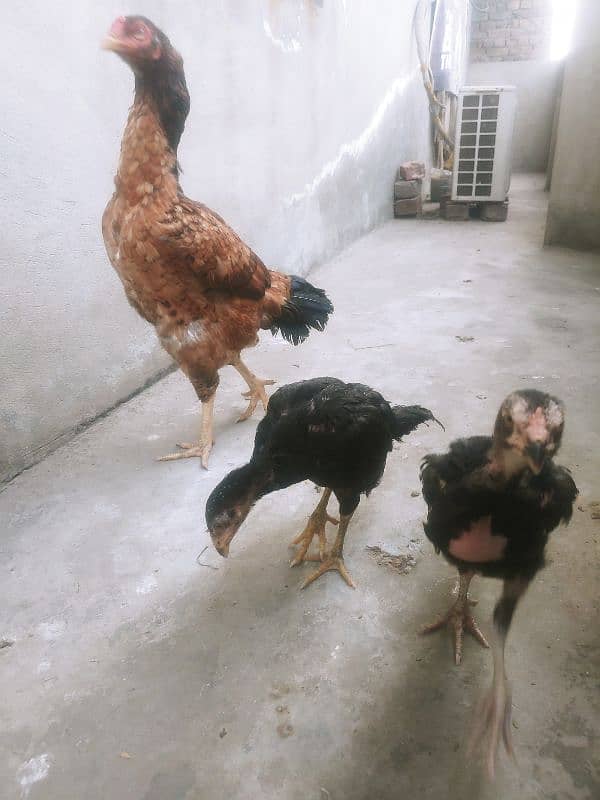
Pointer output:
484, 129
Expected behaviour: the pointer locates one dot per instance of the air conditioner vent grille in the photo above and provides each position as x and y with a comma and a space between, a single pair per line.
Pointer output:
484, 130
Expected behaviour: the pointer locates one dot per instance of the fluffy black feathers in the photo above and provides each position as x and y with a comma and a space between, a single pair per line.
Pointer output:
307, 307
407, 418
333, 433
459, 489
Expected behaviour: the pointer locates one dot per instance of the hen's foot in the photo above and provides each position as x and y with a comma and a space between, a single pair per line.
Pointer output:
331, 562
254, 395
492, 724
199, 450
460, 619
314, 527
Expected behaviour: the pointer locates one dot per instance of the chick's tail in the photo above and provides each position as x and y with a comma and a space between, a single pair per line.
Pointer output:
407, 418
293, 306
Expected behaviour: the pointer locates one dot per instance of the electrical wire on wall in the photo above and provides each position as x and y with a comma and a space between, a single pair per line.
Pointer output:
441, 114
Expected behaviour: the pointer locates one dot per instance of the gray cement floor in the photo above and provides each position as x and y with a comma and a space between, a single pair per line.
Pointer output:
137, 673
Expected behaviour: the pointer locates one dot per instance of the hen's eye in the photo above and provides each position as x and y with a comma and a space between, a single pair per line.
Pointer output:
138, 33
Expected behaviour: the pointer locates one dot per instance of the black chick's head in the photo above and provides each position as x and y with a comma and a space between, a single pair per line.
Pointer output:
229, 504
529, 428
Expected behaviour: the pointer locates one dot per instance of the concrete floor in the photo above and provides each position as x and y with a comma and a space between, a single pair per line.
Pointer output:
136, 672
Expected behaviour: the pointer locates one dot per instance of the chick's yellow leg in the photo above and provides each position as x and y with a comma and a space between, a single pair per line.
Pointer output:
256, 389
200, 449
314, 527
335, 558
459, 618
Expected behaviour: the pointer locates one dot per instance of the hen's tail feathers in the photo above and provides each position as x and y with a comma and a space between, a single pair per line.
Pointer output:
307, 307
407, 418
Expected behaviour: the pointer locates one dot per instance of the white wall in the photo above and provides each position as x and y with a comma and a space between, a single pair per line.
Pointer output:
537, 85
574, 209
301, 112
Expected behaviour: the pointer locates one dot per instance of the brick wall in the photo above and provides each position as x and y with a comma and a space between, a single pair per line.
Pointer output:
510, 30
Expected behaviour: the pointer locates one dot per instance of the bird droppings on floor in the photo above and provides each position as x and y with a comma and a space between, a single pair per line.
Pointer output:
159, 674
594, 507
401, 563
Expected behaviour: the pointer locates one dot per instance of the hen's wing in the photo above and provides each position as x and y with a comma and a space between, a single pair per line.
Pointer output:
192, 236
335, 433
453, 498
558, 493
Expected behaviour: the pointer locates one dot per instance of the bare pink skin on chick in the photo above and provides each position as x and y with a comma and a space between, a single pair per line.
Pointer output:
477, 544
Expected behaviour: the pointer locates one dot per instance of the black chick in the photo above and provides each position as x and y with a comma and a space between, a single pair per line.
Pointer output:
337, 435
492, 502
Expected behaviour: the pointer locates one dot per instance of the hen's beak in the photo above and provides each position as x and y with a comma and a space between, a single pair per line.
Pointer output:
536, 455
221, 541
112, 43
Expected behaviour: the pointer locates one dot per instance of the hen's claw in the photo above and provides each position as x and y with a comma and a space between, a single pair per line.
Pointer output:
332, 562
254, 395
199, 450
459, 618
314, 527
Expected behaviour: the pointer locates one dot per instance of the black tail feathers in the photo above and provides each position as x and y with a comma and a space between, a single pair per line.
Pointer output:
306, 308
407, 418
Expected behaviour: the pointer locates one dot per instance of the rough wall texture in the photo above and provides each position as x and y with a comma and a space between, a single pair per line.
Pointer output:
574, 209
537, 88
510, 30
301, 111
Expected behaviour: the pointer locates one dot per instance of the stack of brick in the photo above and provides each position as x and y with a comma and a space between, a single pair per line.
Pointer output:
407, 189
511, 30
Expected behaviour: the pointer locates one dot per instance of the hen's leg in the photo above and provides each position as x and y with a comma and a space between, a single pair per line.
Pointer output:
494, 711
314, 527
335, 558
256, 389
459, 618
200, 449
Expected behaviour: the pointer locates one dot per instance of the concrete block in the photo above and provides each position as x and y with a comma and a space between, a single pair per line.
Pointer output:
455, 211
496, 52
404, 190
501, 14
408, 208
494, 212
411, 170
441, 181
430, 210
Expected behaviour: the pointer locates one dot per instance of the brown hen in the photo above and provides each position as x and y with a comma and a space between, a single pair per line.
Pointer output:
183, 268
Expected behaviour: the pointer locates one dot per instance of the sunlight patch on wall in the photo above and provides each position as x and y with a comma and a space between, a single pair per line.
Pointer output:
356, 147
563, 19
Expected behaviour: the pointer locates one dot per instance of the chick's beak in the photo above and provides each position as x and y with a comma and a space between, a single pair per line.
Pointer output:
109, 43
112, 40
536, 455
221, 540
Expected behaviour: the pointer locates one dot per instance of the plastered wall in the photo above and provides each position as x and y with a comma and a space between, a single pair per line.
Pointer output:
301, 111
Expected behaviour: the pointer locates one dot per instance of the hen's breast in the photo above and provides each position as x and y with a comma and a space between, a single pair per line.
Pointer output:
477, 544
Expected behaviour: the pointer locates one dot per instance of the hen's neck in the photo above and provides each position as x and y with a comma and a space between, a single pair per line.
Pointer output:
506, 463
148, 165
